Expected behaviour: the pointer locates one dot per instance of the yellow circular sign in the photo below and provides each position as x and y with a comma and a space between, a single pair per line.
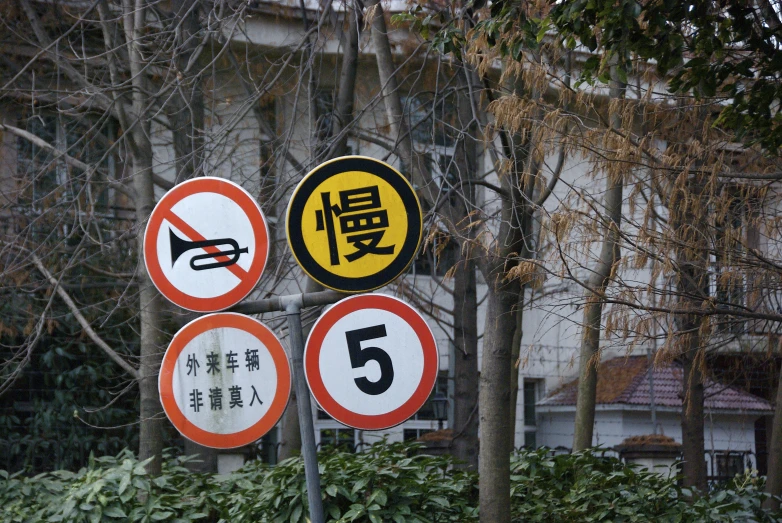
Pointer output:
354, 224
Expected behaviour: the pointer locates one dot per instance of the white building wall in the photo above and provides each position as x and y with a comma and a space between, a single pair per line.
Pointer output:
723, 432
552, 334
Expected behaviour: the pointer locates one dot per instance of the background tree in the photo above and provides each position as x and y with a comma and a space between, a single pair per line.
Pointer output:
667, 143
135, 79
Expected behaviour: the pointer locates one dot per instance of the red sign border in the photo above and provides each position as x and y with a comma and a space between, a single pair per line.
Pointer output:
166, 380
315, 342
244, 200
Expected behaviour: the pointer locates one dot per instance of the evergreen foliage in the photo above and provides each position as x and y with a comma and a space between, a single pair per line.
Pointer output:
390, 482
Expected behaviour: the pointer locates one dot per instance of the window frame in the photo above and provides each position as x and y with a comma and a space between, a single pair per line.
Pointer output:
535, 384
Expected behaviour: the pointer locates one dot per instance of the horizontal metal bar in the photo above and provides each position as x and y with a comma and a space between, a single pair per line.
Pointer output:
279, 303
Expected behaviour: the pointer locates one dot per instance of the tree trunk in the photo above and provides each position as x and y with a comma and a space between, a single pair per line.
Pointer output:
186, 119
597, 283
495, 380
527, 163
774, 477
290, 438
343, 109
290, 435
389, 85
515, 356
150, 314
494, 397
693, 451
688, 210
150, 305
412, 166
465, 364
465, 303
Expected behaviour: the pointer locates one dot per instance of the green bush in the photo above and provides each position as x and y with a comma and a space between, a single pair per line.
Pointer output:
587, 487
109, 489
386, 483
389, 482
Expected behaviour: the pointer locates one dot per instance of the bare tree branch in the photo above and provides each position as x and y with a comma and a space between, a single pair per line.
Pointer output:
119, 360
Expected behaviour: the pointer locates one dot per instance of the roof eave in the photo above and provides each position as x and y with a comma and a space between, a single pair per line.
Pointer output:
609, 407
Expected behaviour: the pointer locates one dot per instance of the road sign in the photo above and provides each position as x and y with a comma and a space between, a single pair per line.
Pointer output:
225, 380
206, 244
354, 224
371, 361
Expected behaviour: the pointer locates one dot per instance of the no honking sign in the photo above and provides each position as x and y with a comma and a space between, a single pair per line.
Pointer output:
206, 244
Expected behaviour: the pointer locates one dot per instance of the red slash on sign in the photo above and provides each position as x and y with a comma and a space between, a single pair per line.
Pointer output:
191, 233
206, 244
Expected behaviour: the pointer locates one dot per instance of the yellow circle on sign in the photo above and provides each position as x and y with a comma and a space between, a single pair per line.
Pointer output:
357, 220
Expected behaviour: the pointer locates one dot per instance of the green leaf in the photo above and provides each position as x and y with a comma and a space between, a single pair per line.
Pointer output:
360, 484
296, 514
114, 512
379, 496
441, 501
123, 484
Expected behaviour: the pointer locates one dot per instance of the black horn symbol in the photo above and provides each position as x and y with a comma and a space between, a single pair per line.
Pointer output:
180, 246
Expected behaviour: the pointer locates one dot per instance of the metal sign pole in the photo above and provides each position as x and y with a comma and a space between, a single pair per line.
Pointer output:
293, 306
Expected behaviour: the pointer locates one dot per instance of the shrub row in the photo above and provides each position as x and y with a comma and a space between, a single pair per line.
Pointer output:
390, 482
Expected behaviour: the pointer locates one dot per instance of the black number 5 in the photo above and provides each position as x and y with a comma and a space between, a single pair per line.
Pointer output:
359, 357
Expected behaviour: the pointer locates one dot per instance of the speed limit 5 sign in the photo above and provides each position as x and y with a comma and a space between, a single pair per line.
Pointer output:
371, 361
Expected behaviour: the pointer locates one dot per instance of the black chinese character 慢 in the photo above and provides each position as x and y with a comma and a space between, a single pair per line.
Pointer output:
359, 211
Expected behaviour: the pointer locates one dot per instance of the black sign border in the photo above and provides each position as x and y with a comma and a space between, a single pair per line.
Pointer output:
312, 181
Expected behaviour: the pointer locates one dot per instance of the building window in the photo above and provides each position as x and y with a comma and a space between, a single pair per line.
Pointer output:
414, 434
426, 412
530, 398
344, 439
431, 120
445, 172
38, 164
267, 451
268, 135
437, 257
733, 234
529, 402
729, 464
324, 113
50, 181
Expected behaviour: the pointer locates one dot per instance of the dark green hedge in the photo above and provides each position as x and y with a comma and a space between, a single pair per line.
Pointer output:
390, 482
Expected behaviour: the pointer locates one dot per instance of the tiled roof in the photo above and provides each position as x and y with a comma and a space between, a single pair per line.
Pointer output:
626, 381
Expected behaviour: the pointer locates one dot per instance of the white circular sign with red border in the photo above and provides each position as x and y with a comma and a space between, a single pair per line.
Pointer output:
371, 361
206, 244
225, 380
